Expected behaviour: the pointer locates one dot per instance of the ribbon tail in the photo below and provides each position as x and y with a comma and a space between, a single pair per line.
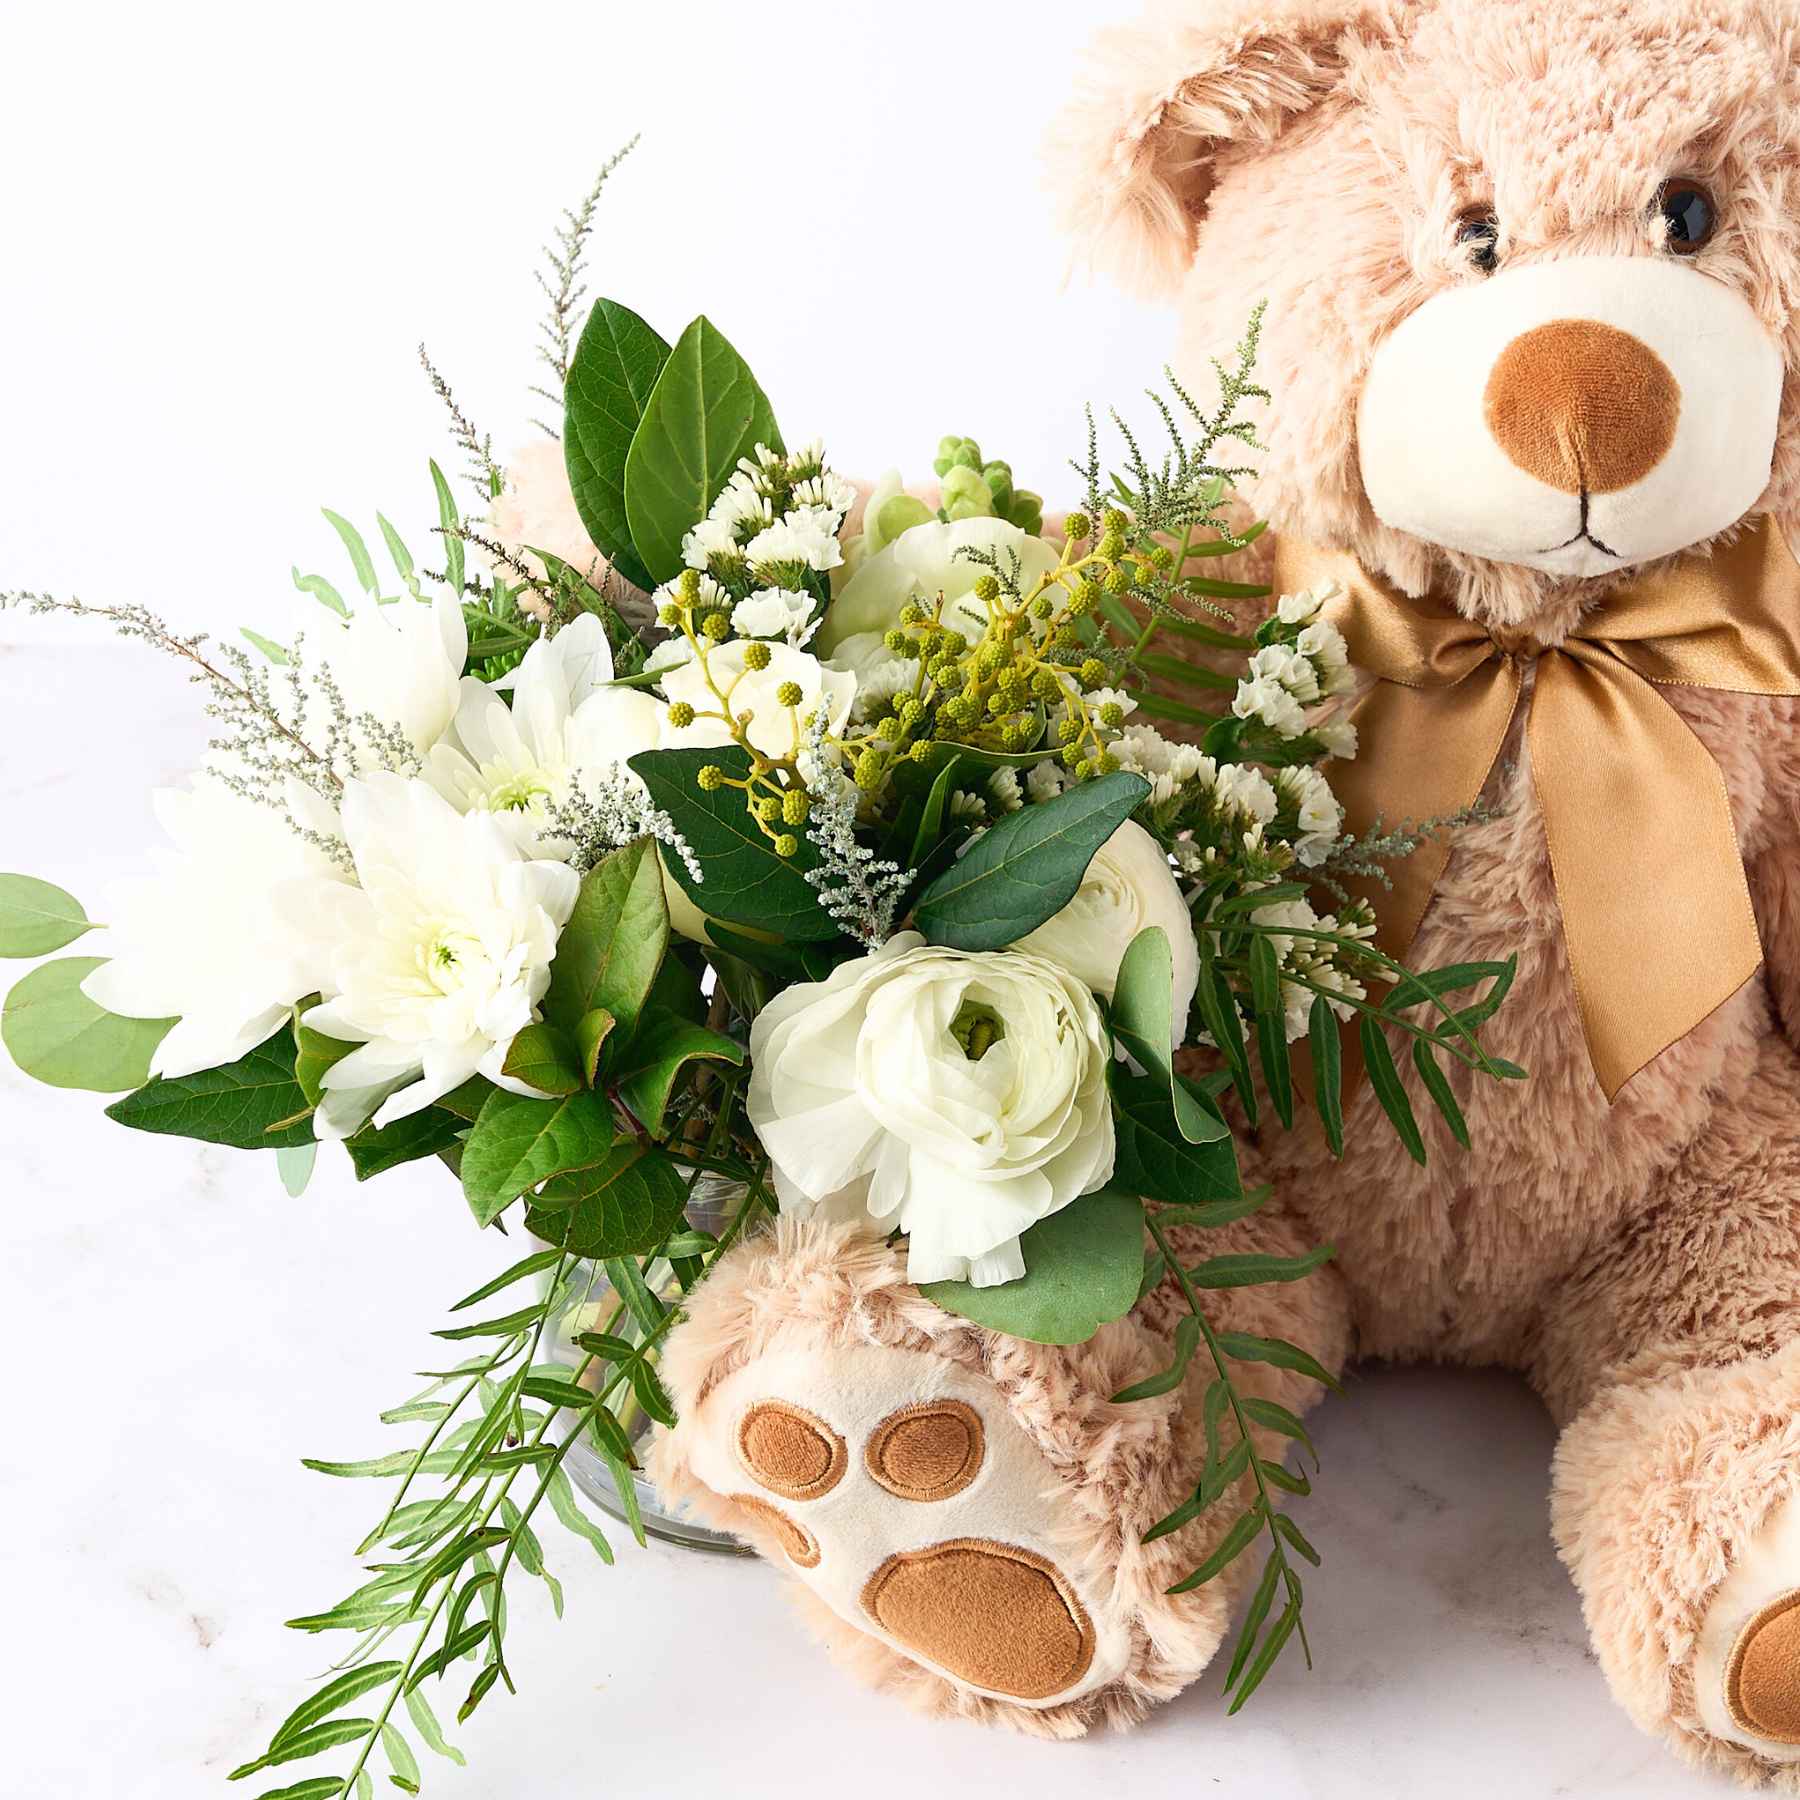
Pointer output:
1649, 876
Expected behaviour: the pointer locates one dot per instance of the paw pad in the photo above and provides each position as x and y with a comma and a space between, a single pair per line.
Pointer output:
1762, 1679
902, 1490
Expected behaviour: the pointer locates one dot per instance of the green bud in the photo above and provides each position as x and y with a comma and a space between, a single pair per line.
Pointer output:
711, 778
997, 703
795, 806
987, 588
1068, 730
890, 730
716, 627
966, 495
1013, 737
867, 771
787, 844
1112, 715
1086, 598
788, 694
1045, 685
1092, 672
1025, 510
1042, 607
1116, 521
912, 613
1071, 757
1065, 637
911, 712
1076, 526
668, 616
756, 655
920, 751
1163, 557
768, 809
900, 513
1106, 763
681, 715
1111, 547
956, 453
896, 640
1119, 581
998, 476
687, 586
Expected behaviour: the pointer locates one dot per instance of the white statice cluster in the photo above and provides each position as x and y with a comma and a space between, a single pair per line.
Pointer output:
1309, 662
1310, 960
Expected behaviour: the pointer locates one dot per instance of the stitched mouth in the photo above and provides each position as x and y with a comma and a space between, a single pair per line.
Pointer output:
1584, 536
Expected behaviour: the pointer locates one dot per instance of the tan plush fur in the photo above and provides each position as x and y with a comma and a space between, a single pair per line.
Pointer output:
1640, 1262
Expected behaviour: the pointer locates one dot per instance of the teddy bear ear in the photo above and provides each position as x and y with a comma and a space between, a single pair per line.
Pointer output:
1131, 155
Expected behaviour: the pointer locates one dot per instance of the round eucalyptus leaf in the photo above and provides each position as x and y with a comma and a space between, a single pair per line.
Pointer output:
36, 918
58, 1035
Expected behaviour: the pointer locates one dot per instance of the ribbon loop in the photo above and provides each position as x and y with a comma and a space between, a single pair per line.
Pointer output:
1649, 876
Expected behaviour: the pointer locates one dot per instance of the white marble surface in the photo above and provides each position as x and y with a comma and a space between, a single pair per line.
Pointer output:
179, 1334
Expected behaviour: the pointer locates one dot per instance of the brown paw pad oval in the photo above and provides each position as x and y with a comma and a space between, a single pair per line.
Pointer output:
993, 1615
927, 1452
801, 1546
789, 1451
1762, 1679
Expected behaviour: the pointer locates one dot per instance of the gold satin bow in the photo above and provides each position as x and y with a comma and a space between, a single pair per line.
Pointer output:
1649, 877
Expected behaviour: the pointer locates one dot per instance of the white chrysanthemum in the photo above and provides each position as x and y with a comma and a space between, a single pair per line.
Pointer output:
775, 612
959, 1096
205, 939
438, 960
1127, 887
755, 692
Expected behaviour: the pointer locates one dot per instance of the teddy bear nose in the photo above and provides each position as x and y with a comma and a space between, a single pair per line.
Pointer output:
1582, 406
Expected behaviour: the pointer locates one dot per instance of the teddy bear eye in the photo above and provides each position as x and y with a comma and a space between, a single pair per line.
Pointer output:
1690, 215
1478, 233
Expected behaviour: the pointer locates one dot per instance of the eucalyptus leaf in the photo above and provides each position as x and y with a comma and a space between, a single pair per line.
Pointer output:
295, 1166
1082, 1269
610, 380
36, 918
57, 1035
1026, 868
519, 1142
252, 1104
705, 412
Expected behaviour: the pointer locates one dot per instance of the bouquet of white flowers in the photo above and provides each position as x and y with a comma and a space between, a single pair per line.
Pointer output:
832, 847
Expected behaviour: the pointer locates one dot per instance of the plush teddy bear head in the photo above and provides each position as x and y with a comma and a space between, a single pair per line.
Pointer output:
1532, 266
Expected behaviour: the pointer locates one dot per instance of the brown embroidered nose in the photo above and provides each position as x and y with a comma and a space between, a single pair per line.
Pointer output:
1582, 406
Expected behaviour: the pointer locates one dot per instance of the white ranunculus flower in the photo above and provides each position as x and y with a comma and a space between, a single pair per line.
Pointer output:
438, 960
754, 691
1128, 886
958, 1095
919, 565
203, 940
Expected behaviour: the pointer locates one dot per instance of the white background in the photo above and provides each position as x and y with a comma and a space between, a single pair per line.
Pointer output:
223, 233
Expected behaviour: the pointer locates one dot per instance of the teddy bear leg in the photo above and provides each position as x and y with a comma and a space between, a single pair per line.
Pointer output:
1675, 1360
965, 1511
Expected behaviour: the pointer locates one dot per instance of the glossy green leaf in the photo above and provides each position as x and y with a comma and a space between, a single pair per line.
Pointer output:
1154, 1157
314, 1053
592, 1030
1027, 867
704, 413
36, 918
252, 1104
1082, 1269
661, 1050
57, 1035
613, 945
427, 1132
518, 1143
543, 1057
746, 882
623, 1206
1141, 1020
611, 378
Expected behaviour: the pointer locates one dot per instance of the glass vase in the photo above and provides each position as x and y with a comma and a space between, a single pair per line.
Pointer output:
593, 1305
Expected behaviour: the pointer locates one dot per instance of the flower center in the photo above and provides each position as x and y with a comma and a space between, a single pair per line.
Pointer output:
522, 792
977, 1028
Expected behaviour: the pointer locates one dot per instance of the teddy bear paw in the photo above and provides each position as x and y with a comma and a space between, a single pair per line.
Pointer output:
1747, 1669
902, 1491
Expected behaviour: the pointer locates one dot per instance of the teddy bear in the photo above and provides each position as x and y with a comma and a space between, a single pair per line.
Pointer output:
1531, 270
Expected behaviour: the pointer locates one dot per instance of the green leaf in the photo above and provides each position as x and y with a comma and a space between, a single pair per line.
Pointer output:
746, 882
625, 1205
1425, 985
1232, 1545
1264, 1660
59, 1036
451, 524
568, 1509
431, 1733
1218, 1007
400, 1758
1276, 1417
1271, 1026
592, 1030
1082, 1269
322, 591
1187, 1337
705, 412
360, 560
1384, 1081
611, 378
1437, 1085
1295, 1536
1242, 1347
542, 1057
252, 1104
1253, 1268
314, 1053
295, 1166
1254, 1614
1142, 1002
1026, 868
1212, 1213
518, 1143
530, 1265
664, 1046
613, 945
428, 1132
1154, 1158
1328, 1072
319, 1787
333, 1697
272, 650
36, 918
400, 555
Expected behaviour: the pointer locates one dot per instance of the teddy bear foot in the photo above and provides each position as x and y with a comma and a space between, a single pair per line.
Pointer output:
1747, 1667
911, 1503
